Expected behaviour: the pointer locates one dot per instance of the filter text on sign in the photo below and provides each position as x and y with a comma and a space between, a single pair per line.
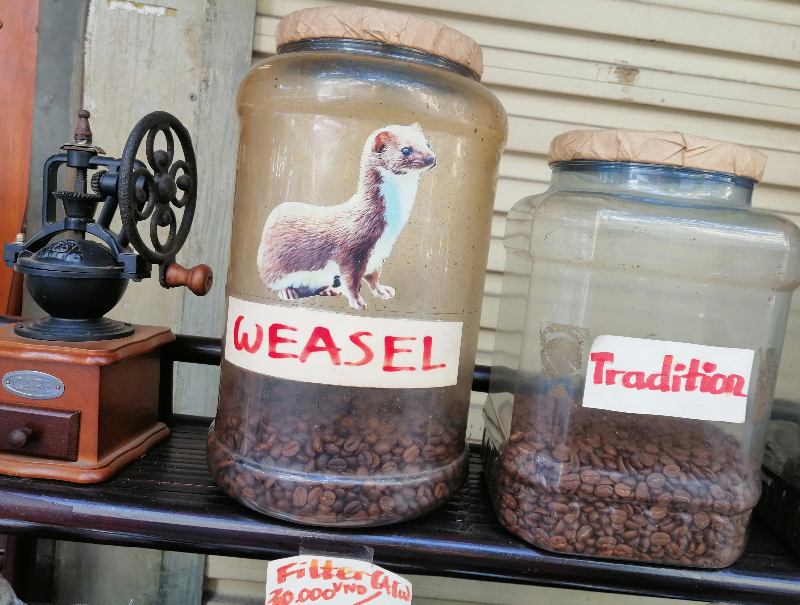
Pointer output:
364, 586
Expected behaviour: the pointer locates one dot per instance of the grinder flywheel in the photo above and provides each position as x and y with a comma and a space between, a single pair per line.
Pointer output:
77, 269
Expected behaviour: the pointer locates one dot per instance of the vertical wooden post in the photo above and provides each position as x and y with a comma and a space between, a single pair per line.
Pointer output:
227, 53
19, 564
19, 19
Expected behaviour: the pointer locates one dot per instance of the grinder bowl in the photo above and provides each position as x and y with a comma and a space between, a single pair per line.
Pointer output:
69, 297
76, 281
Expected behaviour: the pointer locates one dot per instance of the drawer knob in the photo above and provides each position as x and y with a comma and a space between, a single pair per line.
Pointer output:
20, 437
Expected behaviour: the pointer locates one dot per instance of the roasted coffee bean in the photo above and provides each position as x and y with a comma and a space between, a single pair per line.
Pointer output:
680, 496
288, 456
290, 449
562, 454
717, 492
603, 491
701, 520
337, 464
622, 490
590, 477
569, 482
314, 496
658, 512
661, 490
352, 443
584, 533
300, 496
382, 447
411, 454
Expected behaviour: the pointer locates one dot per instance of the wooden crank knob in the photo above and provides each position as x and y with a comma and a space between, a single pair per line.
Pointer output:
198, 279
19, 437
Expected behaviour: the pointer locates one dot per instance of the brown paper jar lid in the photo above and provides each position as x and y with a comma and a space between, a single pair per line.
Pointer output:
378, 25
668, 148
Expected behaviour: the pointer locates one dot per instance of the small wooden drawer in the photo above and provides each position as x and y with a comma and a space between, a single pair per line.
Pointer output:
31, 430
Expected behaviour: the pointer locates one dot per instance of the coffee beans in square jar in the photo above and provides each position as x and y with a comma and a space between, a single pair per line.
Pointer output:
625, 486
356, 458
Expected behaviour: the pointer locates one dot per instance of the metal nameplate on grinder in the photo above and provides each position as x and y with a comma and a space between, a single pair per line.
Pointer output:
33, 385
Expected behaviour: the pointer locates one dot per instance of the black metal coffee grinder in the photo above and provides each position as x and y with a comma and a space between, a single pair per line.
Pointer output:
80, 395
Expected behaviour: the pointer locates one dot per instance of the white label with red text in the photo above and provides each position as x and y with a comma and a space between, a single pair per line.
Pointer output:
333, 581
642, 376
331, 348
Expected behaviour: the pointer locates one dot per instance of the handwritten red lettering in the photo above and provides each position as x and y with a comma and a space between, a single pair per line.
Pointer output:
280, 597
706, 381
327, 569
600, 359
286, 571
676, 380
377, 583
427, 351
323, 335
275, 340
390, 351
368, 599
357, 339
734, 384
634, 380
663, 383
242, 343
693, 375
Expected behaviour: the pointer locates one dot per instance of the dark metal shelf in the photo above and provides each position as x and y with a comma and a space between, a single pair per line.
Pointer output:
168, 500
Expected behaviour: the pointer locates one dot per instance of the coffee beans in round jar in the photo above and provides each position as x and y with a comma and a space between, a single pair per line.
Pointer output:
354, 457
614, 485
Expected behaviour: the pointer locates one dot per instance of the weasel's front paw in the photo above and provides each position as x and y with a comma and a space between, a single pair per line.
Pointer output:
329, 291
288, 294
357, 303
384, 292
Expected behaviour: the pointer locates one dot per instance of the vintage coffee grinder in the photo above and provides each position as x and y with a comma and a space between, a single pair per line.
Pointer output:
80, 391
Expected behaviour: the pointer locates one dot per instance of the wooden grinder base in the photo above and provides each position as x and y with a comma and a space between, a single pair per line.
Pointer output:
106, 418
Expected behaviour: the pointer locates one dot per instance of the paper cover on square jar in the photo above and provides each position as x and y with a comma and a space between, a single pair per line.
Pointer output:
668, 148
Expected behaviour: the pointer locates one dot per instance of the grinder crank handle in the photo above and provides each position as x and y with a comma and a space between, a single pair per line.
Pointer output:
198, 279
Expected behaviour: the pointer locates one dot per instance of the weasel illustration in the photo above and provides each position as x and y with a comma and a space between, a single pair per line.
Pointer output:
309, 250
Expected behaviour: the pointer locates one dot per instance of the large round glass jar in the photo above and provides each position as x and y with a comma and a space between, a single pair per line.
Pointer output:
367, 166
643, 313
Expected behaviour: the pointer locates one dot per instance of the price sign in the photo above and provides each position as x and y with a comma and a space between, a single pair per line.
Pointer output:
333, 581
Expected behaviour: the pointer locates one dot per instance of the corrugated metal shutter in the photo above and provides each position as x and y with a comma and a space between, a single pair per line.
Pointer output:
724, 69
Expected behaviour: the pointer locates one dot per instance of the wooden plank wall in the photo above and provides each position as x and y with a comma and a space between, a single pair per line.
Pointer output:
724, 69
18, 20
185, 57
